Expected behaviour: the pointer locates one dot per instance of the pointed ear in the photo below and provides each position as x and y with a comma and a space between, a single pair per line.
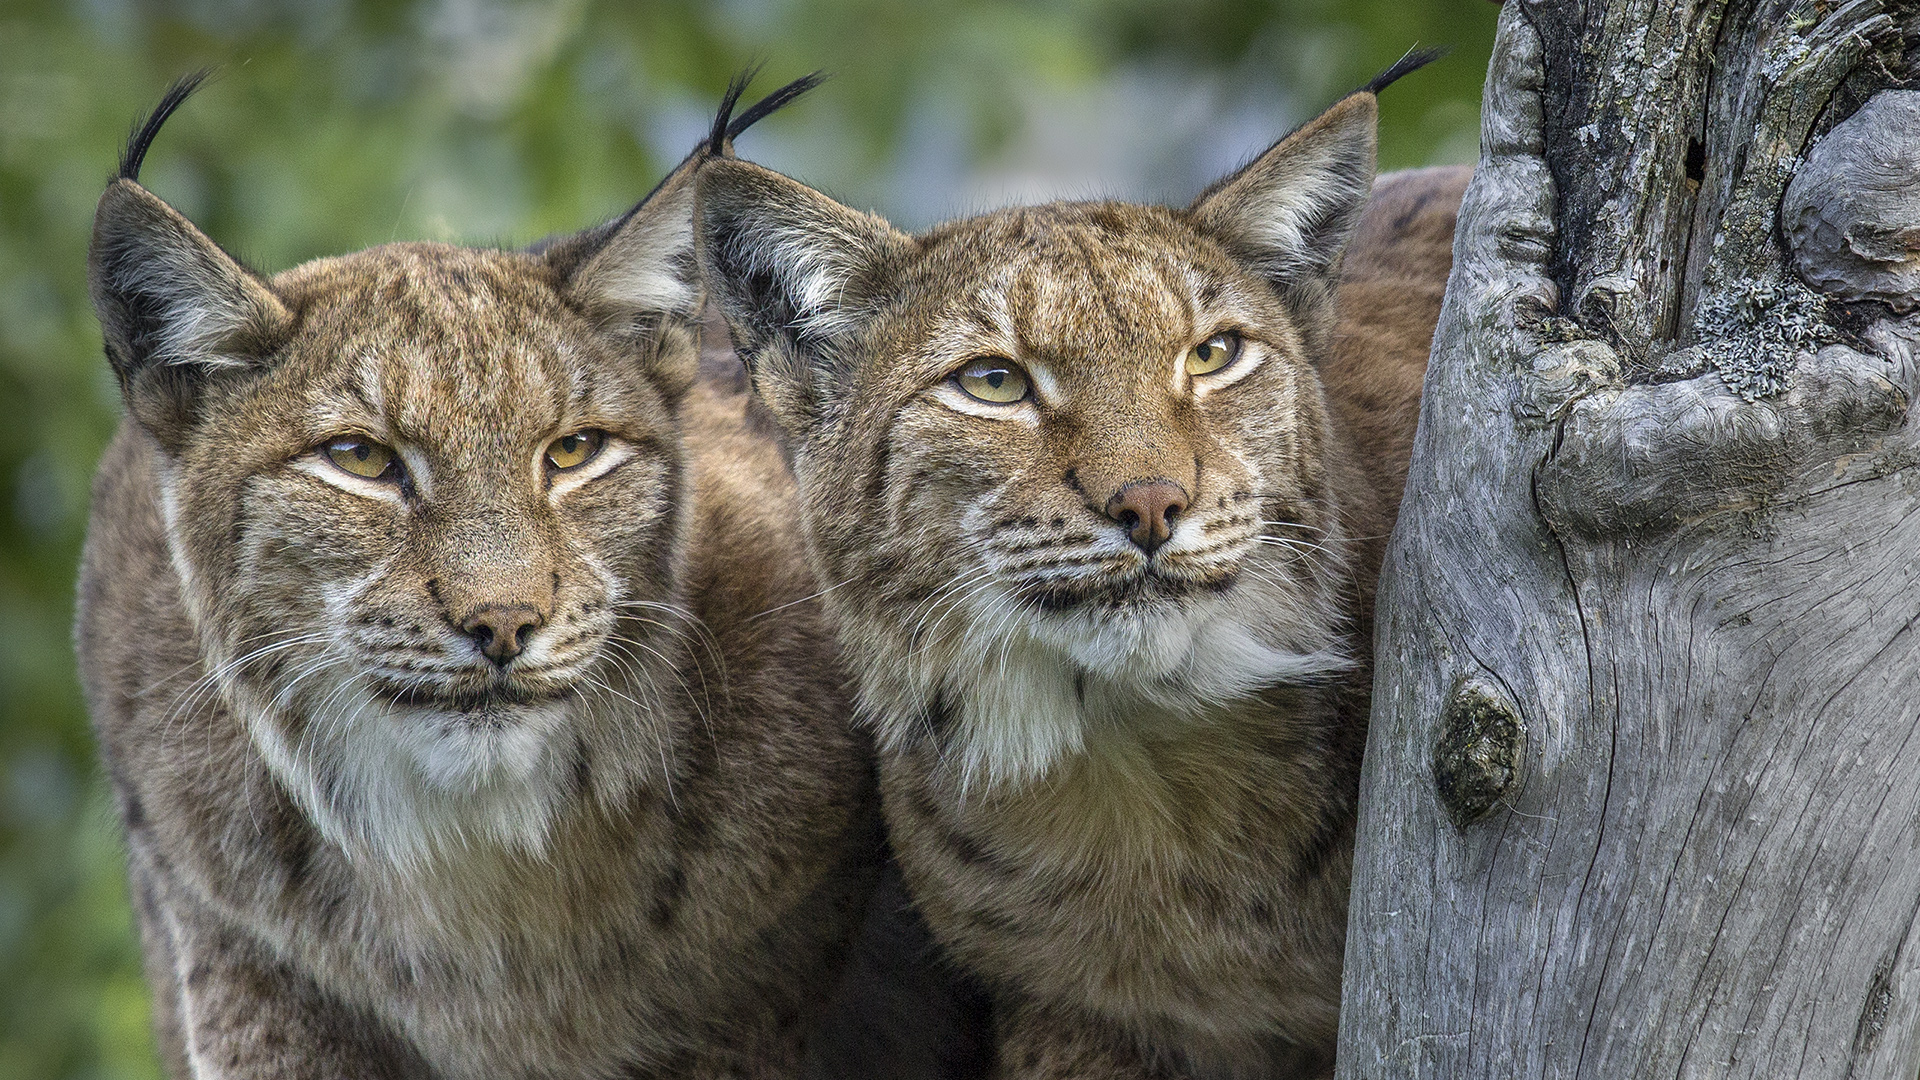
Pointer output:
1289, 213
635, 278
639, 267
797, 276
175, 309
630, 273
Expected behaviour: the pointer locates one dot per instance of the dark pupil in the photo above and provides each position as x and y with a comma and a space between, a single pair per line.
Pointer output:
995, 378
1206, 352
568, 443
361, 451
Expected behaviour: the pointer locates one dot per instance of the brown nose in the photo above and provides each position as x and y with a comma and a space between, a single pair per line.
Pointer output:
1146, 509
501, 632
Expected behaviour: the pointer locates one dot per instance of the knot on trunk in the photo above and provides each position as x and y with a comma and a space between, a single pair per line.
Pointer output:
1651, 457
1476, 763
1852, 213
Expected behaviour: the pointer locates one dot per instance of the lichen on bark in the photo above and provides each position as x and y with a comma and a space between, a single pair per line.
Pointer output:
1756, 329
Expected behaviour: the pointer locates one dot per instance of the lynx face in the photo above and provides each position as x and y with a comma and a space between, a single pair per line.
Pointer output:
423, 502
1068, 461
1135, 417
443, 528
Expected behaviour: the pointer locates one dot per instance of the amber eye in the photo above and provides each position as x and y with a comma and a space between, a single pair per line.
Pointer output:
996, 381
368, 460
575, 450
1213, 354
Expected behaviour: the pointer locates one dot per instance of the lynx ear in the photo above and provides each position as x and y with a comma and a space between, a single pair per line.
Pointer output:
630, 272
1291, 210
167, 295
1289, 213
174, 308
637, 275
635, 278
796, 275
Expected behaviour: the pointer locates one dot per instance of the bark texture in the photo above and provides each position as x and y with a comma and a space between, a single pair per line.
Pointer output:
1642, 790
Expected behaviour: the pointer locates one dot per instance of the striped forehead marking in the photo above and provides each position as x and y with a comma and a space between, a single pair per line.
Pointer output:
1091, 288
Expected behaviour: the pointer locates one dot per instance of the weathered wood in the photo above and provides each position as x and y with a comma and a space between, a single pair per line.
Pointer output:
1852, 213
1642, 791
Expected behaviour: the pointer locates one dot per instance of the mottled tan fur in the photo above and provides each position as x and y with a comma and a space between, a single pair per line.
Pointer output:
1120, 774
366, 839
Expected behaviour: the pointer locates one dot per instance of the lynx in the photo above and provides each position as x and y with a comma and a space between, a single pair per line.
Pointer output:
1098, 492
451, 649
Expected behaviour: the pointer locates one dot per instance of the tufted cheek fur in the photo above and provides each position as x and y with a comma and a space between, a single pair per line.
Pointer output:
978, 549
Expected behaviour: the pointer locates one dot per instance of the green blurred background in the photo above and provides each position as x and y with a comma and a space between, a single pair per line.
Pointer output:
337, 124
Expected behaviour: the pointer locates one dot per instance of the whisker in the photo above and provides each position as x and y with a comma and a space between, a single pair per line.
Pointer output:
974, 586
802, 600
700, 707
1326, 536
704, 633
660, 737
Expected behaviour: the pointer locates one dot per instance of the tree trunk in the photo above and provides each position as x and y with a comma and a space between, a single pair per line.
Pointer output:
1642, 790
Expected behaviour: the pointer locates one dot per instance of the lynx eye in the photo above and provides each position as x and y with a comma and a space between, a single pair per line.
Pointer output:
362, 458
996, 381
575, 450
1213, 354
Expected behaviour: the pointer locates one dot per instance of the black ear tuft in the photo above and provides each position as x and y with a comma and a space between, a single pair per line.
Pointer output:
175, 310
773, 102
144, 132
641, 263
727, 127
1415, 59
717, 138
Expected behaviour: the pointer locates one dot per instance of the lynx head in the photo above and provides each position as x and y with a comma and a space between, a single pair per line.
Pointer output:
424, 502
1065, 467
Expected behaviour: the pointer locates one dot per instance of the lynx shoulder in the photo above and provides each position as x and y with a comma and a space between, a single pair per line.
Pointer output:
450, 647
1103, 489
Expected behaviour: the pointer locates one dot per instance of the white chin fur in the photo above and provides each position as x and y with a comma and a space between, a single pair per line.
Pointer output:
1017, 710
410, 786
1176, 654
458, 755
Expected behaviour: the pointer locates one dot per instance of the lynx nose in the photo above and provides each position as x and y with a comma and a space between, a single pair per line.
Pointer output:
501, 632
1146, 509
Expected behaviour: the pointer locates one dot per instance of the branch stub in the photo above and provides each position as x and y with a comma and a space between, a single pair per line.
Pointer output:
1476, 763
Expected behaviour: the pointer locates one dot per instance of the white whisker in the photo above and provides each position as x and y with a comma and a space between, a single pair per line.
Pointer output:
802, 600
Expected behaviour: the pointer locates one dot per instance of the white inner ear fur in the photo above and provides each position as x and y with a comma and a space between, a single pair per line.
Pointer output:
204, 306
1292, 208
1283, 212
812, 258
647, 267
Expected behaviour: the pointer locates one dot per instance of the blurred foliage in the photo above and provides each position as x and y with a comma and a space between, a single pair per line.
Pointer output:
338, 124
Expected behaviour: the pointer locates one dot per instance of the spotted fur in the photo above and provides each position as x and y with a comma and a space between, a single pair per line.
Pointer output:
361, 844
1120, 778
